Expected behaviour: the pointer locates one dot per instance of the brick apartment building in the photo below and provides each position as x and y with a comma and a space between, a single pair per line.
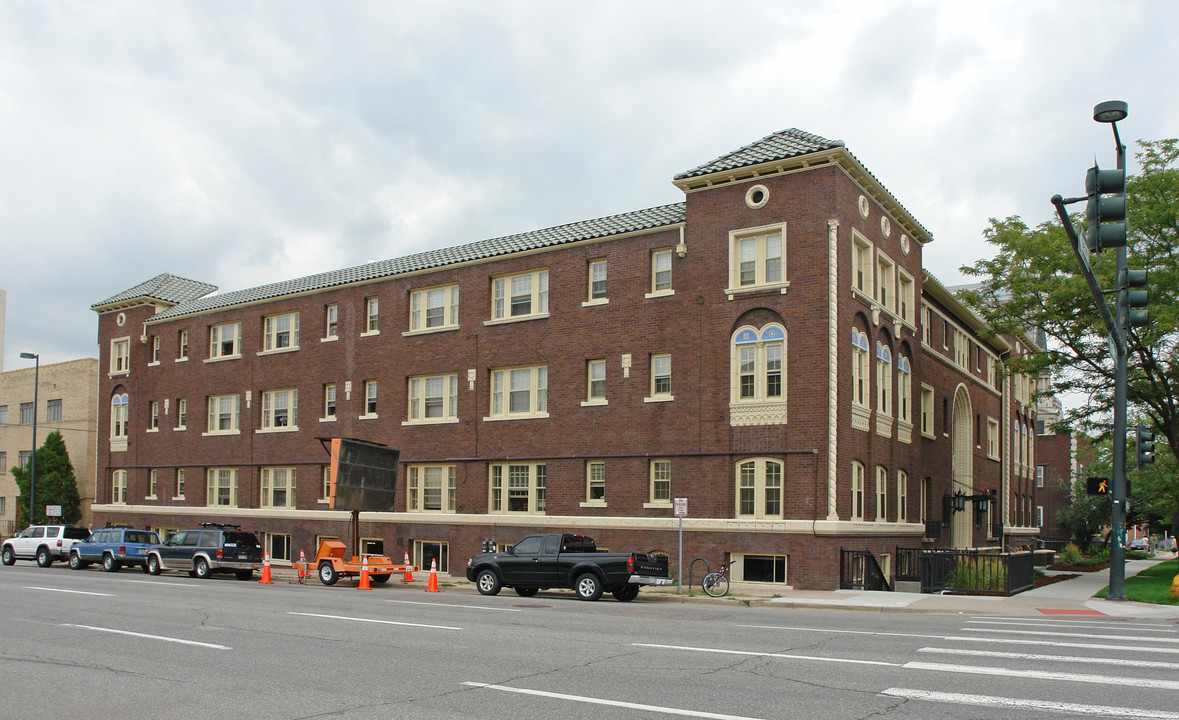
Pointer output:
770, 349
66, 402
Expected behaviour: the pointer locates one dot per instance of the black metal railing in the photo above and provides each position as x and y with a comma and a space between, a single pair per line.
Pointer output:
859, 570
976, 573
908, 565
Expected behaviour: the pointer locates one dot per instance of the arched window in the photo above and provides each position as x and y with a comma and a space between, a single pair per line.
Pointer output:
119, 415
883, 380
758, 391
904, 390
857, 491
759, 488
859, 368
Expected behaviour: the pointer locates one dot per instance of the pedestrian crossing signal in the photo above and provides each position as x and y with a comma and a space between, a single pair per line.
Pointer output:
1097, 485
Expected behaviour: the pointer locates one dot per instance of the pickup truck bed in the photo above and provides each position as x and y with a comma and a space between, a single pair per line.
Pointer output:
541, 562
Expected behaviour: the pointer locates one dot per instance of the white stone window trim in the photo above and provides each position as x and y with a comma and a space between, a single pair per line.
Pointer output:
521, 318
601, 402
735, 237
659, 294
595, 302
431, 331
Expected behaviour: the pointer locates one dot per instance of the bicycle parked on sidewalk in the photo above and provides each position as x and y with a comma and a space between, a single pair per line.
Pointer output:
716, 584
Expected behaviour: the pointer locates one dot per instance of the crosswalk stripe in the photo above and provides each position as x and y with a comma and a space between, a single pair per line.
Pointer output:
1061, 643
1046, 675
1077, 621
1027, 704
1092, 626
1128, 638
1104, 661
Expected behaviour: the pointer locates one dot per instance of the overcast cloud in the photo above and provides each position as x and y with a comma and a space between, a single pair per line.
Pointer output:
240, 143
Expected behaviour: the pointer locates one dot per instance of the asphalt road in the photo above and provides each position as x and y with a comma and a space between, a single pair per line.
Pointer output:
88, 644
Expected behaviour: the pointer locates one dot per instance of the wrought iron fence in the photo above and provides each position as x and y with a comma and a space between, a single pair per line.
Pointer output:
908, 565
858, 570
976, 573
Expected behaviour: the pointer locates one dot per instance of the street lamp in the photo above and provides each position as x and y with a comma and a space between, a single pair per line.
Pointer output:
33, 458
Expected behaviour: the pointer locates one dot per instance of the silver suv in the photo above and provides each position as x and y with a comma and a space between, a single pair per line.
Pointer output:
44, 543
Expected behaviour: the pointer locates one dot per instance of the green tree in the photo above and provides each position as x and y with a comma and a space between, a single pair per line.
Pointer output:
1034, 282
55, 484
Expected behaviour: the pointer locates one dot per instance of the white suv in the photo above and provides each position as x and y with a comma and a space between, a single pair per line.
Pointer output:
44, 543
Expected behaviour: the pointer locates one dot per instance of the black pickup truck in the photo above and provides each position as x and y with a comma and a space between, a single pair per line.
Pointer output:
540, 562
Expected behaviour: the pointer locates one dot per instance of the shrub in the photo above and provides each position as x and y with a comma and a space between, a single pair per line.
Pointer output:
1069, 555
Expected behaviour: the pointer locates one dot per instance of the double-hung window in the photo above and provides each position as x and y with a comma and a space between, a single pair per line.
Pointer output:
595, 482
756, 258
27, 413
223, 418
886, 282
221, 487
280, 332
372, 306
181, 414
902, 496
881, 494
883, 380
861, 264
595, 382
278, 487
225, 340
857, 491
660, 476
519, 392
53, 411
904, 390
517, 488
430, 488
280, 409
859, 368
370, 399
660, 378
597, 282
121, 356
155, 350
661, 273
905, 296
927, 411
331, 328
182, 339
433, 399
520, 296
759, 488
329, 401
434, 308
119, 487
120, 412
154, 422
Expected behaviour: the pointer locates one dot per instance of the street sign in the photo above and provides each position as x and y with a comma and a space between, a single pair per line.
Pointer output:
681, 507
53, 511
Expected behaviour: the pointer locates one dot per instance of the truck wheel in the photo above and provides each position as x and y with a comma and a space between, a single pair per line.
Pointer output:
201, 568
8, 557
526, 592
327, 573
109, 563
76, 561
588, 587
488, 582
153, 565
44, 559
626, 593
243, 574
378, 579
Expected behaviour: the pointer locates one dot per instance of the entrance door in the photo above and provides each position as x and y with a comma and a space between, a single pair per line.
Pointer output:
961, 526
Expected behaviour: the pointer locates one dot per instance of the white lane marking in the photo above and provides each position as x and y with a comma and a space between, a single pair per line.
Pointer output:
1046, 675
1137, 638
72, 592
1077, 620
611, 703
1055, 658
163, 583
844, 632
1058, 643
1091, 626
471, 607
766, 654
1026, 704
149, 637
372, 620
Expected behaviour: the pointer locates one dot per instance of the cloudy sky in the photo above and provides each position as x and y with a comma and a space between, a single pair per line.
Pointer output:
238, 143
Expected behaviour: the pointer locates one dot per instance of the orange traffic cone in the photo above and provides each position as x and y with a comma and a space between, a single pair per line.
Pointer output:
364, 584
408, 577
302, 566
266, 569
432, 586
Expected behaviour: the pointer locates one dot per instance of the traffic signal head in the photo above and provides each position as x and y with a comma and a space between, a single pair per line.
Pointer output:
1145, 443
1138, 296
1106, 211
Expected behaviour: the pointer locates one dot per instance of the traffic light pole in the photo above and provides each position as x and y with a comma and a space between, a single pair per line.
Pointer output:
1117, 324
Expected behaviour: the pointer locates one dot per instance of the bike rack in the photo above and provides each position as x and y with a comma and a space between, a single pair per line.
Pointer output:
692, 568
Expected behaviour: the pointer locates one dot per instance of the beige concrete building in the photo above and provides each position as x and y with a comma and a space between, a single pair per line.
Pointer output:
66, 402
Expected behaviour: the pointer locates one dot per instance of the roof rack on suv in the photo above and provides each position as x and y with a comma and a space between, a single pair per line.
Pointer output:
224, 526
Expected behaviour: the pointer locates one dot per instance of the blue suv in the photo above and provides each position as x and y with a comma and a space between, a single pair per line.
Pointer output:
114, 547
